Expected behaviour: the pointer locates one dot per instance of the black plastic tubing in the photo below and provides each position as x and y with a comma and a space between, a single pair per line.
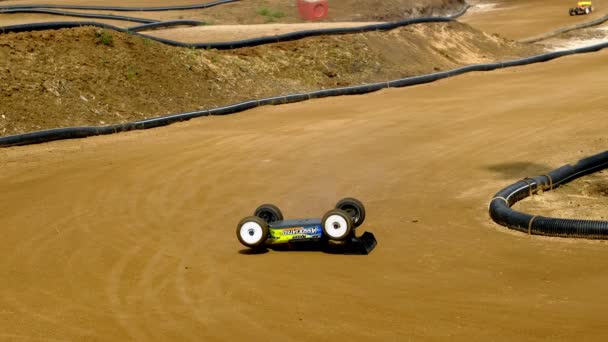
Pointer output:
123, 9
501, 212
165, 24
592, 23
80, 132
239, 43
77, 14
52, 10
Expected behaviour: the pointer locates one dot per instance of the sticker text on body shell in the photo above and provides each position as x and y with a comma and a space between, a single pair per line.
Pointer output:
299, 231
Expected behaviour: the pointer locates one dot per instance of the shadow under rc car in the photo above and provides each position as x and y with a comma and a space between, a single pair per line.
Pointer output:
335, 231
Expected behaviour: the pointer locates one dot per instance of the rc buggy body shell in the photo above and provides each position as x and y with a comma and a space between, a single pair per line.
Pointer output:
295, 230
582, 7
267, 229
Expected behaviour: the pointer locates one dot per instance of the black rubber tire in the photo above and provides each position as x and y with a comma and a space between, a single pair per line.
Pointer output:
354, 208
262, 233
330, 226
572, 12
269, 213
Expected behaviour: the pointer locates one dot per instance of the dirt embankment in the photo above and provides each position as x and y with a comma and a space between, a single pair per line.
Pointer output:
88, 76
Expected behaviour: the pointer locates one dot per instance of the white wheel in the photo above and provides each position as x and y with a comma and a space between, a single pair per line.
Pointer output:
252, 231
337, 224
587, 10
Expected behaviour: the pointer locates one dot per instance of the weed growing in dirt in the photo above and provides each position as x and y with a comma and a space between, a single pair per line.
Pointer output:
212, 55
104, 37
148, 41
132, 73
191, 52
270, 14
192, 55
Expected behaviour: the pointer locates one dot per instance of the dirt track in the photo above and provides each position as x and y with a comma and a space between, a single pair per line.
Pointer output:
131, 236
517, 19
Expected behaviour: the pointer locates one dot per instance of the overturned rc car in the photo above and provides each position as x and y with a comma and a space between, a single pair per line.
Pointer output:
583, 7
336, 228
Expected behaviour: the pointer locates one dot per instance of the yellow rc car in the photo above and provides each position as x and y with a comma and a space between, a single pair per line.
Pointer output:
335, 232
583, 7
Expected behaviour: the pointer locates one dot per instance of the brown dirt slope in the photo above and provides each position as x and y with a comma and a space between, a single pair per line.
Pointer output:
88, 76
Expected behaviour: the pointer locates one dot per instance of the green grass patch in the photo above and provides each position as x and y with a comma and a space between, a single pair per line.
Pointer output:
104, 37
132, 73
270, 14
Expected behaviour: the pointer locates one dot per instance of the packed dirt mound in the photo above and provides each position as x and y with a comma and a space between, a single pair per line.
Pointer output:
88, 76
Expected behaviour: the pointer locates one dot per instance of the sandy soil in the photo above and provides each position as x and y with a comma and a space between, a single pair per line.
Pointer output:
224, 33
131, 236
584, 198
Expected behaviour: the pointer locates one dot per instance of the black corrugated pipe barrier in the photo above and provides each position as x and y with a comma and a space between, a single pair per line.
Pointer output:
592, 23
239, 43
122, 9
76, 14
165, 24
52, 10
80, 132
501, 212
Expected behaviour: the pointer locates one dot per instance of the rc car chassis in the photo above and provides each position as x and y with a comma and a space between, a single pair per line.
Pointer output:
583, 7
334, 232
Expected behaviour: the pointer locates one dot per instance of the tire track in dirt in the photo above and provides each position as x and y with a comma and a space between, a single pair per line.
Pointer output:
204, 298
156, 275
34, 252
